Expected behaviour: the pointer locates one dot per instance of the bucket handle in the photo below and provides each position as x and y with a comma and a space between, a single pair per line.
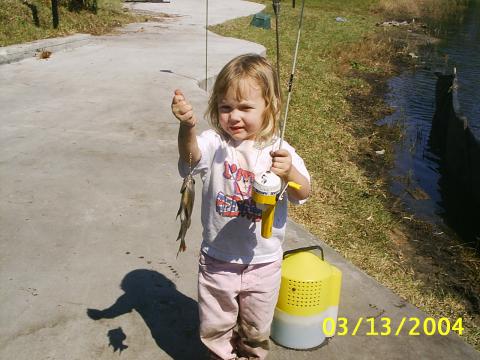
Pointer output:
306, 248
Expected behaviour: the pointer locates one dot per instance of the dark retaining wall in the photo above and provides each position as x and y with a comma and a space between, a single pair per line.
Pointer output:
452, 139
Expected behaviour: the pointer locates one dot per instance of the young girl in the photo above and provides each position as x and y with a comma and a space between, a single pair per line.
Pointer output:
239, 270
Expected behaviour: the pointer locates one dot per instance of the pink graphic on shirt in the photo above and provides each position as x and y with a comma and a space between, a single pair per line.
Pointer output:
240, 203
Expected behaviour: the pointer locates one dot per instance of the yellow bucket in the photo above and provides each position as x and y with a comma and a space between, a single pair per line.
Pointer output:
309, 294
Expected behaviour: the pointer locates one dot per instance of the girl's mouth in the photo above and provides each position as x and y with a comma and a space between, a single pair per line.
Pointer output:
235, 128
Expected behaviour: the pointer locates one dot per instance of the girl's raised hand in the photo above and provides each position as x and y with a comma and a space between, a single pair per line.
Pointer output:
281, 163
182, 109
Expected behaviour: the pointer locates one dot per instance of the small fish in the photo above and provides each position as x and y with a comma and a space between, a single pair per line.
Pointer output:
185, 210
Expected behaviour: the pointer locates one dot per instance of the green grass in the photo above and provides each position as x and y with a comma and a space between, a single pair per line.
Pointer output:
24, 21
338, 96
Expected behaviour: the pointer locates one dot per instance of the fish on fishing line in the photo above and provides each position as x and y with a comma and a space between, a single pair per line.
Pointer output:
185, 210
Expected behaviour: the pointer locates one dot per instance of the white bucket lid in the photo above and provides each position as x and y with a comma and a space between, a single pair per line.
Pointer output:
267, 183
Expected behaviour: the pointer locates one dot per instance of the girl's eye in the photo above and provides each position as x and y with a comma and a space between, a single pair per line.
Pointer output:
224, 109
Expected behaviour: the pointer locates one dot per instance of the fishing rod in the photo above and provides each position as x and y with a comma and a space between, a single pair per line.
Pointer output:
276, 10
292, 74
268, 188
206, 46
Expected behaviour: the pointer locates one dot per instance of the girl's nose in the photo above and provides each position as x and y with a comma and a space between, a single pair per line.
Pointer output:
235, 115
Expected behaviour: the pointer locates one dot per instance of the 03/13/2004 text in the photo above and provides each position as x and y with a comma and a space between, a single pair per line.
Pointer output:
413, 326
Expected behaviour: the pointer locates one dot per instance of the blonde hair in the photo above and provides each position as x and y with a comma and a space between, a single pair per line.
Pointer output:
248, 67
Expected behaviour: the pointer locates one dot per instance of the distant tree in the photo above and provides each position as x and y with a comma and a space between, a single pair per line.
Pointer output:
55, 13
78, 5
34, 10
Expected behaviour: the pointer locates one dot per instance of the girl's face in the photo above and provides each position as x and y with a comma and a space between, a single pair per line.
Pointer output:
242, 118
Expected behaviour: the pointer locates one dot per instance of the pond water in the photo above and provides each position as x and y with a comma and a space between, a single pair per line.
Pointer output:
416, 174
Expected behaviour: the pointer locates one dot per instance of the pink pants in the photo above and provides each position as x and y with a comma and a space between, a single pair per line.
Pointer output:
237, 294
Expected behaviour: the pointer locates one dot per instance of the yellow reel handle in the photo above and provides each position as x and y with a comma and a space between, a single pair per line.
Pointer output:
294, 185
289, 184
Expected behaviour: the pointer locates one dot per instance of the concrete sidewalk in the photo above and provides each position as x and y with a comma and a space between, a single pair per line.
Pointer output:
89, 193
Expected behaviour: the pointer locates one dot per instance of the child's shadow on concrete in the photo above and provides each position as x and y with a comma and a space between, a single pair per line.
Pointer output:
171, 316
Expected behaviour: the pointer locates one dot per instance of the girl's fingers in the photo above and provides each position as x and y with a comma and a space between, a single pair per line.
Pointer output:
187, 116
281, 159
280, 165
280, 153
178, 96
178, 99
180, 103
280, 169
179, 92
281, 162
181, 109
278, 172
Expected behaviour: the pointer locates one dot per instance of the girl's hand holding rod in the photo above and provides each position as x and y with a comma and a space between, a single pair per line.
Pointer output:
282, 167
187, 140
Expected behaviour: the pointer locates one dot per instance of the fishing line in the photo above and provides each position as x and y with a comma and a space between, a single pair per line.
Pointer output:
206, 46
292, 74
276, 10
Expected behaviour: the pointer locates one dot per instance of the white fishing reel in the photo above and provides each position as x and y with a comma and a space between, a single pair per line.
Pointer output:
267, 190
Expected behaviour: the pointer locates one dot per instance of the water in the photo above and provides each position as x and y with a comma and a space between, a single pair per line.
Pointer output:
417, 170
